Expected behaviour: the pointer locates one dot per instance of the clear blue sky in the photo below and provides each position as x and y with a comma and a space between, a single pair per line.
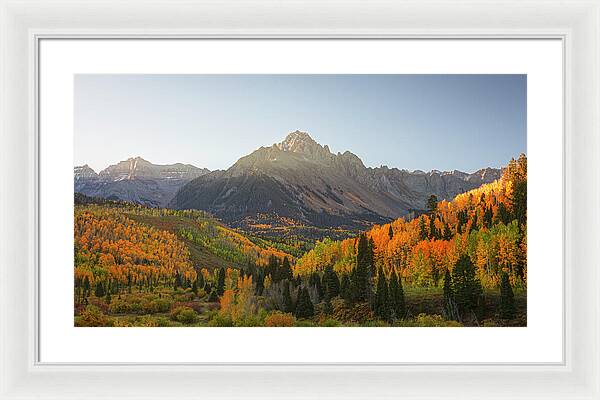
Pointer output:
443, 122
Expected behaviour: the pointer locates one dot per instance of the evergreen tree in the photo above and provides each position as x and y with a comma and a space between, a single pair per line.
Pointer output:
304, 307
519, 200
288, 306
422, 231
360, 274
177, 283
507, 309
221, 282
449, 302
433, 232
447, 235
260, 283
474, 221
391, 232
99, 291
273, 268
466, 287
382, 300
503, 214
346, 288
286, 269
331, 283
86, 286
199, 280
432, 202
108, 297
315, 280
487, 217
195, 287
397, 302
370, 259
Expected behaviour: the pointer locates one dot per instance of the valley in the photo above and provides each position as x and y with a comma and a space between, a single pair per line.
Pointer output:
294, 235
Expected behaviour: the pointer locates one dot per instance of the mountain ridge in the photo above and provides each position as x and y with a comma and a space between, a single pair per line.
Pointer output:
135, 180
301, 179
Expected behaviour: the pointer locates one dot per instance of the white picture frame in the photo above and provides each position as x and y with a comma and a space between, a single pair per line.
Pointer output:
23, 23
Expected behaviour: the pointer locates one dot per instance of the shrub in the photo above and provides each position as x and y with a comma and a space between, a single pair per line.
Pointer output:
163, 322
146, 321
216, 319
92, 316
359, 313
119, 307
121, 322
434, 321
157, 306
185, 315
278, 318
331, 323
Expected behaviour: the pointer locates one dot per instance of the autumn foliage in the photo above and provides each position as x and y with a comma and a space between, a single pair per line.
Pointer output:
487, 224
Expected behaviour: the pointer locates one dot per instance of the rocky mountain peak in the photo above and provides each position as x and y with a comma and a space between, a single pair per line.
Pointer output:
301, 143
84, 172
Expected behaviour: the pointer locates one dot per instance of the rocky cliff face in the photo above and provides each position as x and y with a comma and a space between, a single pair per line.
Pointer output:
302, 180
136, 180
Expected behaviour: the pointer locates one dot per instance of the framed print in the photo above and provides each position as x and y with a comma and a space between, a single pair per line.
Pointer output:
255, 206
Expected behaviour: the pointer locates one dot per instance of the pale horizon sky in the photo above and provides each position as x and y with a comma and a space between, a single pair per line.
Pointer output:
443, 122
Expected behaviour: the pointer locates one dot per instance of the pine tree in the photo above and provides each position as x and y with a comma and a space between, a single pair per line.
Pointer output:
382, 301
199, 280
315, 280
86, 287
286, 270
433, 232
466, 287
449, 302
273, 268
260, 283
447, 235
517, 174
346, 288
432, 204
397, 302
195, 287
221, 282
360, 274
288, 306
177, 283
507, 308
304, 307
422, 231
370, 259
331, 283
391, 232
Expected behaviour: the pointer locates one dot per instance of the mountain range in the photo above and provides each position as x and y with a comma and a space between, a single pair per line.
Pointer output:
136, 180
296, 182
303, 182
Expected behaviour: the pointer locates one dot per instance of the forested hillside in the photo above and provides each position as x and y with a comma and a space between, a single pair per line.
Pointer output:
461, 262
487, 224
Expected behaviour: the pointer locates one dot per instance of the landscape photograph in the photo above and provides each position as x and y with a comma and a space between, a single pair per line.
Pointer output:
300, 200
